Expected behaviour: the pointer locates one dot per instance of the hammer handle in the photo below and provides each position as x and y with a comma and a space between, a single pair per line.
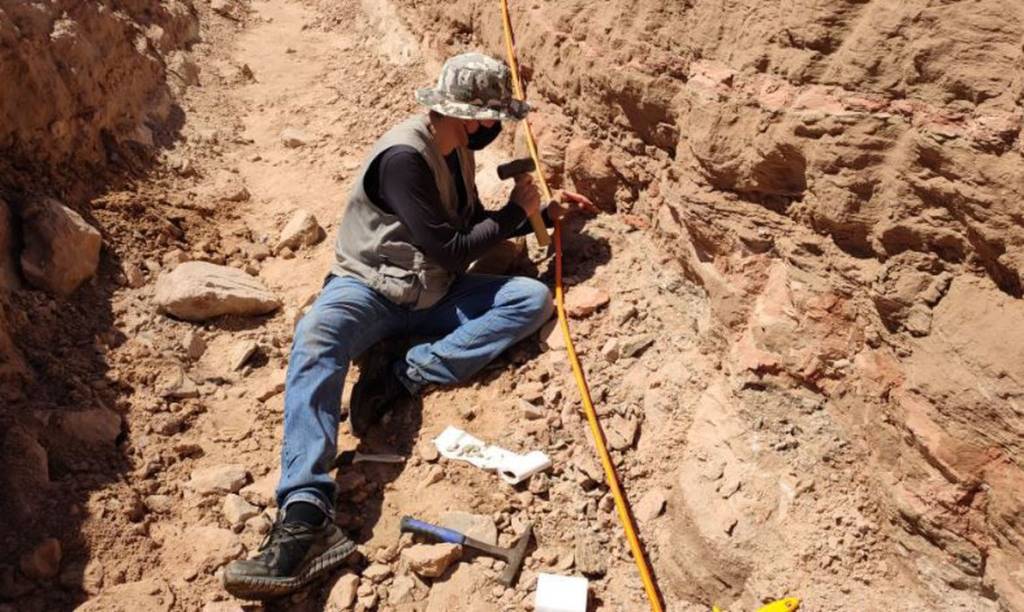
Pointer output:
443, 534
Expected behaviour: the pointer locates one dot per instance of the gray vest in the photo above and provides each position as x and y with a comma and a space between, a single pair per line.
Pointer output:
375, 247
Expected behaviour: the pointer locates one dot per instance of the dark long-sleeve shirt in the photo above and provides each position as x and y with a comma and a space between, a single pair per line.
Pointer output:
400, 182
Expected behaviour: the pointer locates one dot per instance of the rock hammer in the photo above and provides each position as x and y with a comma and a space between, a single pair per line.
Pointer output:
518, 167
513, 556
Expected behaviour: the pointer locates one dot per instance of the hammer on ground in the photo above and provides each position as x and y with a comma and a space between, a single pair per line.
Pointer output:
518, 167
512, 556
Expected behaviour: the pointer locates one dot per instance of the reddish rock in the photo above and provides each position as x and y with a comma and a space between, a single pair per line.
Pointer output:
583, 301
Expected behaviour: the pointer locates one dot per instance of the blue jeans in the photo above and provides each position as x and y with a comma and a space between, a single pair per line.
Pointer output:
479, 318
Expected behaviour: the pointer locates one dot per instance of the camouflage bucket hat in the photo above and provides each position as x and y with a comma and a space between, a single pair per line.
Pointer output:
474, 86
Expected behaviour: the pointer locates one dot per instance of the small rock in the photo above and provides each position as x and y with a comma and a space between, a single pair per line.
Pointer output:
428, 452
161, 504
610, 350
301, 230
194, 344
434, 474
241, 354
166, 424
591, 557
61, 250
271, 384
133, 276
530, 411
634, 345
582, 301
431, 560
532, 392
651, 505
173, 384
43, 561
222, 606
96, 426
228, 478
376, 572
367, 602
263, 490
236, 510
294, 138
621, 313
343, 593
622, 432
477, 526
402, 590
551, 336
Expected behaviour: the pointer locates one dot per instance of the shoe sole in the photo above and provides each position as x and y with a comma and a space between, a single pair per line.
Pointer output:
262, 588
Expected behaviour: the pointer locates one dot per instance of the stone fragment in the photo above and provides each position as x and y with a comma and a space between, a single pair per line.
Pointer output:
428, 452
133, 275
532, 392
651, 505
477, 526
583, 301
376, 572
634, 345
161, 504
95, 426
43, 561
166, 424
197, 291
241, 353
622, 432
271, 384
228, 478
173, 384
343, 593
236, 510
61, 250
194, 344
222, 606
610, 350
431, 560
402, 590
301, 230
551, 336
294, 138
591, 558
211, 547
530, 411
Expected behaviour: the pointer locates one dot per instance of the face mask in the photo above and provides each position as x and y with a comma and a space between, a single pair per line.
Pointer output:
483, 136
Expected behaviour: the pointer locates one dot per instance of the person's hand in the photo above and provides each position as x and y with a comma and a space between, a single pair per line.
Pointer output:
526, 194
569, 202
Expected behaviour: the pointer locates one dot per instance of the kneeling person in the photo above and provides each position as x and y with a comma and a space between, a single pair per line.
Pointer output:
412, 226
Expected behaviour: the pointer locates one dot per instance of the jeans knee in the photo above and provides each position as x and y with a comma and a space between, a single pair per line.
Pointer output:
535, 298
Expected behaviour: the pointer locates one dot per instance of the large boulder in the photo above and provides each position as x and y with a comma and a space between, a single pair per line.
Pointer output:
61, 249
198, 290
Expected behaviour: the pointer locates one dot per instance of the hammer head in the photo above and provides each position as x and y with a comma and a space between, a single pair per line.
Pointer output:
516, 167
514, 557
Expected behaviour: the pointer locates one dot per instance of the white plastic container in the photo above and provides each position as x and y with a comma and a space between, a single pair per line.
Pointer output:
561, 593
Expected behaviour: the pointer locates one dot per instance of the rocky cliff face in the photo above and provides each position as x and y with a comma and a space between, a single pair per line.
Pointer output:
845, 181
86, 85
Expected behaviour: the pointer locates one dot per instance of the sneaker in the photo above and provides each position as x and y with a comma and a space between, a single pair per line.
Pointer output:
292, 556
376, 393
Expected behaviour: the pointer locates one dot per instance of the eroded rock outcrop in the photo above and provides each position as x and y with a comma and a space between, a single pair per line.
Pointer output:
844, 181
